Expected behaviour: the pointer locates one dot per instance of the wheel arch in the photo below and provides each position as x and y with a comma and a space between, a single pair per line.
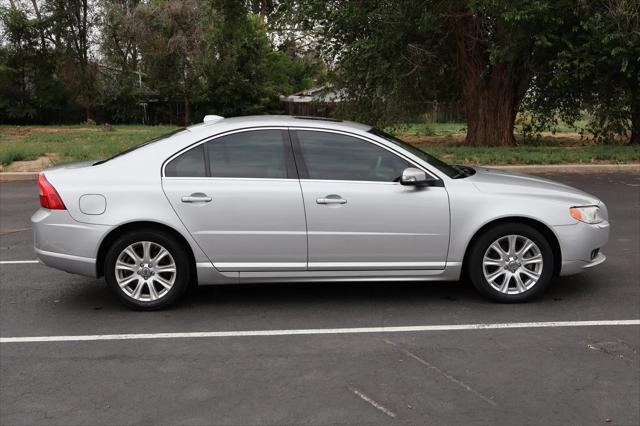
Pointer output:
541, 227
115, 233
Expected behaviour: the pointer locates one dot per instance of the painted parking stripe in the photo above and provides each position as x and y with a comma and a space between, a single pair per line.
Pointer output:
16, 262
315, 331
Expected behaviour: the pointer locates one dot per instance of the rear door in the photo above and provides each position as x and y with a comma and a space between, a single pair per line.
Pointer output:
240, 198
359, 217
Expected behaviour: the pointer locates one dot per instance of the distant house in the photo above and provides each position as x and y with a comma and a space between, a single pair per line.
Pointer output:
315, 102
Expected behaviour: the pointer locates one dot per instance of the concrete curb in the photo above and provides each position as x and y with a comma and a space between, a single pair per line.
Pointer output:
537, 168
572, 168
17, 176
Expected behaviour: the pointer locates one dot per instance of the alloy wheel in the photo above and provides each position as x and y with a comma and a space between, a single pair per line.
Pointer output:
145, 271
512, 264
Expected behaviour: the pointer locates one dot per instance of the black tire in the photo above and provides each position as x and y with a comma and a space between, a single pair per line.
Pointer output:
175, 248
480, 247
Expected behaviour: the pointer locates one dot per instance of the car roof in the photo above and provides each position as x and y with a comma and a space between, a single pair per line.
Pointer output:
277, 121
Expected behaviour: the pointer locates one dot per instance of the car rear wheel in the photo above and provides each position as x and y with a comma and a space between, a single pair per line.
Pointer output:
511, 263
147, 269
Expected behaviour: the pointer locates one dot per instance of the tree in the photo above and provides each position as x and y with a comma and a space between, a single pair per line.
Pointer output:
172, 37
73, 23
394, 56
244, 73
597, 71
28, 88
120, 80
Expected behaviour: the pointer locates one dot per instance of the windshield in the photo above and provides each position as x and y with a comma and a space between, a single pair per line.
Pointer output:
133, 148
445, 168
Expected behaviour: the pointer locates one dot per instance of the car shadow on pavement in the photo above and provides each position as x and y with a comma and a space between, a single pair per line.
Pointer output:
394, 294
378, 293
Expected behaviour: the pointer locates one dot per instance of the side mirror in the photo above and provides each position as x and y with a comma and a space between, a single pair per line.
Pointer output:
416, 177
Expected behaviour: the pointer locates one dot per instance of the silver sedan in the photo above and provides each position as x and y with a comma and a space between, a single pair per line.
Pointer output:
275, 199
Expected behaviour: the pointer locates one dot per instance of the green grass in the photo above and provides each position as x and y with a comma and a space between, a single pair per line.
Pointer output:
444, 129
536, 154
71, 143
76, 143
427, 129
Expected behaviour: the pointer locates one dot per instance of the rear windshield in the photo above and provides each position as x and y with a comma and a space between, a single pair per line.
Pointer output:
133, 148
438, 164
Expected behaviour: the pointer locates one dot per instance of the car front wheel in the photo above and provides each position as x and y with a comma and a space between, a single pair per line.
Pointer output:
511, 263
147, 270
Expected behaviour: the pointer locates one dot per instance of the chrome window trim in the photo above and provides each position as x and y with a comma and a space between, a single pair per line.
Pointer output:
282, 180
211, 138
368, 140
229, 179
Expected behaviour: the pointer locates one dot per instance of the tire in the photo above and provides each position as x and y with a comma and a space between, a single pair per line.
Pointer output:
505, 275
147, 281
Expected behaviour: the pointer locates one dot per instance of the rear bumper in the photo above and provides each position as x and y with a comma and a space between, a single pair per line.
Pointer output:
62, 243
577, 244
66, 262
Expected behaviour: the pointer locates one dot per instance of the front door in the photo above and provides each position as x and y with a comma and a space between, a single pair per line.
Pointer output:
359, 217
239, 197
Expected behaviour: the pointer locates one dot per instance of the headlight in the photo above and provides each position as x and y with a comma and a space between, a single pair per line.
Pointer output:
586, 214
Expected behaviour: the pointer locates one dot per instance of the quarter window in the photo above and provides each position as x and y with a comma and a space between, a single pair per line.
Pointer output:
254, 154
332, 156
189, 164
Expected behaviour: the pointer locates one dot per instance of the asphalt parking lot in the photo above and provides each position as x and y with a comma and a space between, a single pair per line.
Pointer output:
550, 375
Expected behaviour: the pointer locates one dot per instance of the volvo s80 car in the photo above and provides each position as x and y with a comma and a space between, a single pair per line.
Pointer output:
293, 199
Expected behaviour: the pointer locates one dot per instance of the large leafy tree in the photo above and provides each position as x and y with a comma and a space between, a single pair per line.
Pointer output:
392, 56
244, 73
172, 37
28, 89
72, 29
120, 80
597, 70
211, 56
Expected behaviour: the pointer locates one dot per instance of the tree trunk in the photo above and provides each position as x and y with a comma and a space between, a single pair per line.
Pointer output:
490, 108
491, 92
87, 113
187, 111
635, 117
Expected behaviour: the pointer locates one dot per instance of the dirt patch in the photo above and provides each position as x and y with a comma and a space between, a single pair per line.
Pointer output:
26, 131
457, 139
446, 140
37, 165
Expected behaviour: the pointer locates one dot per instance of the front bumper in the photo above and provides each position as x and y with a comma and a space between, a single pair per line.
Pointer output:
63, 243
577, 245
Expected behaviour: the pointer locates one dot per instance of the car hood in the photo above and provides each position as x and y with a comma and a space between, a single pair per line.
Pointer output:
501, 181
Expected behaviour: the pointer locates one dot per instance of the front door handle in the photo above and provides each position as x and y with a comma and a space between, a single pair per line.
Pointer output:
331, 199
196, 197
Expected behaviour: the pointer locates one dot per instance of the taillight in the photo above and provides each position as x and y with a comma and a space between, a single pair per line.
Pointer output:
49, 197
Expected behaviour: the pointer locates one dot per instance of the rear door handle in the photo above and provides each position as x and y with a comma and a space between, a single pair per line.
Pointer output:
331, 199
197, 197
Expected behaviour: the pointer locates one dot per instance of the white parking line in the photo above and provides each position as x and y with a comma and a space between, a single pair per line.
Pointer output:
312, 331
442, 373
16, 262
375, 404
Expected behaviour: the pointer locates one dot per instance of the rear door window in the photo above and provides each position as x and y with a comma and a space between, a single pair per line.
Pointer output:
251, 154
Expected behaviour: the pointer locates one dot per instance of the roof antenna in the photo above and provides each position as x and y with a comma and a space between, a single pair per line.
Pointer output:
212, 118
